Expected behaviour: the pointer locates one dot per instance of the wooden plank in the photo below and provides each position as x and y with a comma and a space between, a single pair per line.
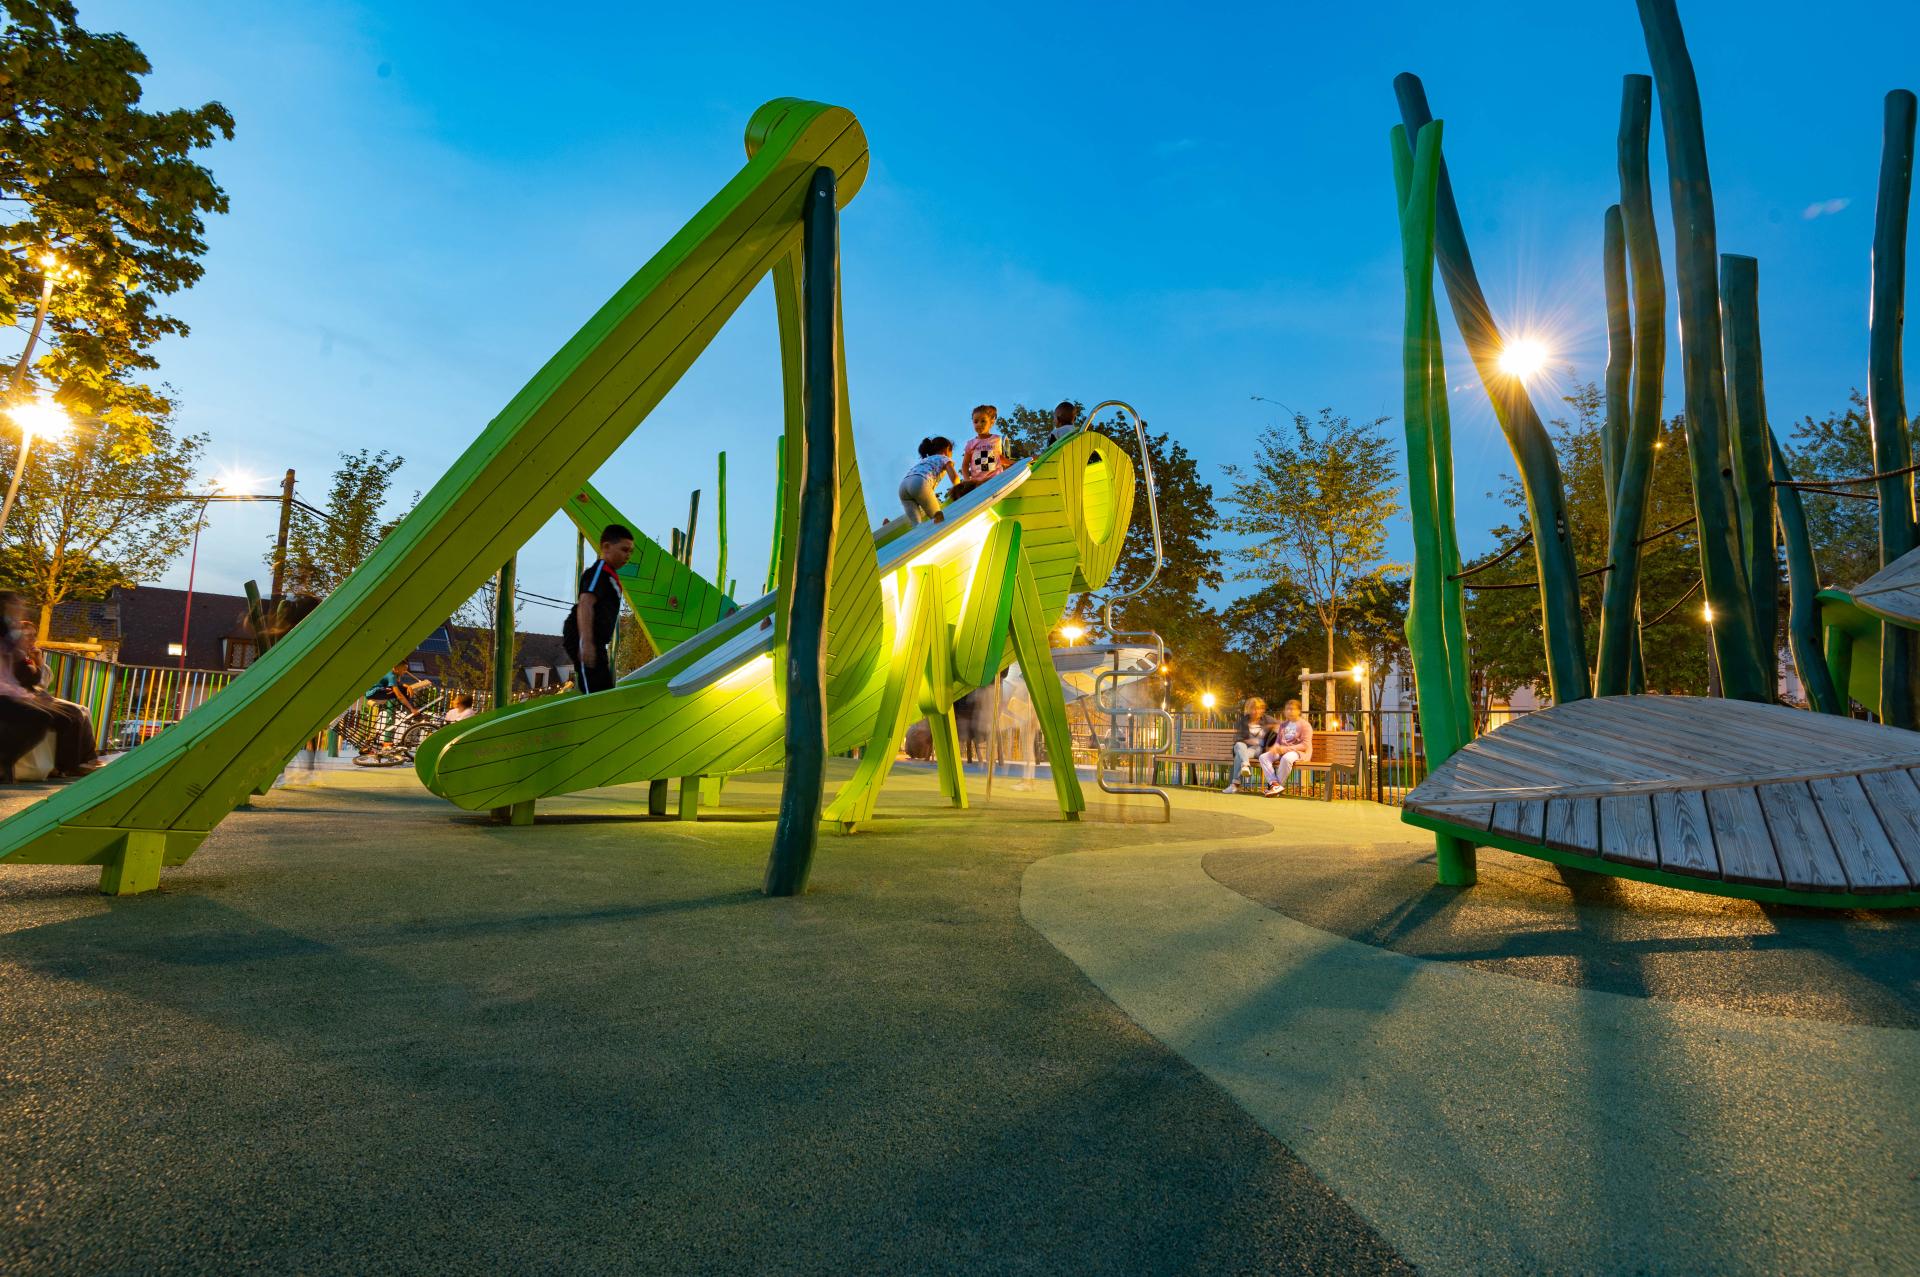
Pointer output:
1686, 836
1865, 852
1896, 799
1525, 821
1626, 830
1573, 824
1808, 861
1467, 815
1741, 837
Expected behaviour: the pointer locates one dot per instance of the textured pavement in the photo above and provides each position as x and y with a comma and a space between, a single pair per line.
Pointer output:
1520, 1119
360, 1032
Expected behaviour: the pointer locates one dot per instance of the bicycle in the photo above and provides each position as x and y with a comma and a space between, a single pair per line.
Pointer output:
390, 744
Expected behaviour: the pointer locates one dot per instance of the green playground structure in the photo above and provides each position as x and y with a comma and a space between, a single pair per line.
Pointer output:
1739, 795
900, 621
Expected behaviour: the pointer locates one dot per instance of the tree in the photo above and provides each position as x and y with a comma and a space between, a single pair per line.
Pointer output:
321, 552
102, 200
99, 510
1196, 635
1504, 625
1315, 502
1845, 531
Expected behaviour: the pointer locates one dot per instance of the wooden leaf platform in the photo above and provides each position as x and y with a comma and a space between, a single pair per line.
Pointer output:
1727, 796
1893, 593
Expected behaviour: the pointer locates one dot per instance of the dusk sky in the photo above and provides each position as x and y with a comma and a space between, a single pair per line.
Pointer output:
1089, 201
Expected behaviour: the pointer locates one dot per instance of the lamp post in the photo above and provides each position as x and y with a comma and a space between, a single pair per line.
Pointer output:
231, 487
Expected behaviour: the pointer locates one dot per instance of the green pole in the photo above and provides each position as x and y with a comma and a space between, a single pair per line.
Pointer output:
1617, 666
1752, 457
1696, 258
1803, 584
1619, 373
1886, 390
579, 560
779, 511
693, 517
720, 500
503, 634
1533, 452
803, 794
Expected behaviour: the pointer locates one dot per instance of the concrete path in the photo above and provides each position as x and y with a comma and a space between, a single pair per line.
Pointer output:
1484, 1123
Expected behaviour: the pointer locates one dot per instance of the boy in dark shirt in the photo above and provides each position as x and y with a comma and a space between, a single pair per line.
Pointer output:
588, 633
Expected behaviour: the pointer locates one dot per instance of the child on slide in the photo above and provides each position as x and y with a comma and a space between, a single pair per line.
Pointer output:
916, 490
985, 455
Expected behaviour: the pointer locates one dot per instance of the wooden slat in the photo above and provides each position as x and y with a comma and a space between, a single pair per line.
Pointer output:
1741, 837
1525, 821
1573, 824
1466, 815
1896, 799
1626, 830
1865, 852
1808, 861
1686, 836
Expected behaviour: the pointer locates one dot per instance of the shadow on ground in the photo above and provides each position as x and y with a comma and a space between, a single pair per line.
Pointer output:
361, 1034
1539, 921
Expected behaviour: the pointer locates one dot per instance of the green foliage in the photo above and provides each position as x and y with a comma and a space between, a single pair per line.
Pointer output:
108, 187
1505, 624
1315, 501
322, 552
1845, 531
97, 509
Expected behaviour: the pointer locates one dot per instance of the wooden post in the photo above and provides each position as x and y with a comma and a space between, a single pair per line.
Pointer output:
803, 794
1886, 391
720, 500
1803, 584
1752, 458
503, 586
280, 539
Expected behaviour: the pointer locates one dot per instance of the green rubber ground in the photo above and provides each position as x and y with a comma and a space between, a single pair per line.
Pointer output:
361, 1032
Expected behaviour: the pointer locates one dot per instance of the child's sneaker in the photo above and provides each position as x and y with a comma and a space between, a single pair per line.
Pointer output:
1274, 791
1233, 787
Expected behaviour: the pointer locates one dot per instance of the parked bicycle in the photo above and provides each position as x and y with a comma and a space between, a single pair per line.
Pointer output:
382, 738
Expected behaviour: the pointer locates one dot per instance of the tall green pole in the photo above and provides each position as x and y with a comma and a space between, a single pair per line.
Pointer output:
1696, 259
1752, 457
1437, 646
803, 794
779, 511
1533, 452
720, 569
1617, 668
1803, 583
1619, 374
503, 587
1886, 390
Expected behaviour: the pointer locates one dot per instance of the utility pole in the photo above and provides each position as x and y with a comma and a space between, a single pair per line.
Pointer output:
280, 539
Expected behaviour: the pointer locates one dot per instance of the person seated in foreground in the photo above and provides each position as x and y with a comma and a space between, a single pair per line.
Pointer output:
74, 751
985, 455
1292, 743
916, 489
1252, 734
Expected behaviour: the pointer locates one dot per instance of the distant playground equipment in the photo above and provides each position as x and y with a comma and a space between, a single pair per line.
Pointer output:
858, 633
1737, 796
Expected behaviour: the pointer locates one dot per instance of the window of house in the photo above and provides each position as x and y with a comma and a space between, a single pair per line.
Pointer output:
239, 653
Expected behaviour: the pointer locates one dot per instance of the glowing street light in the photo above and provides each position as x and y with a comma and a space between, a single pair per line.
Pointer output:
1072, 633
1208, 700
1706, 612
42, 418
1359, 671
1523, 358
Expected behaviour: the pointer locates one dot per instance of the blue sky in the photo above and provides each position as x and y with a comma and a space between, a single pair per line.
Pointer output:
1085, 201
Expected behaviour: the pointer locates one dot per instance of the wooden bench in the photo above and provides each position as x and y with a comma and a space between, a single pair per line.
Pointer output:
1214, 746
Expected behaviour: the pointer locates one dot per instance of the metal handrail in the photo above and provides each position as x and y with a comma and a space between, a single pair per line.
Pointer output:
1110, 749
1153, 503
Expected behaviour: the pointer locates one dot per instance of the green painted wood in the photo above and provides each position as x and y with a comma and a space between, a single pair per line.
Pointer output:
671, 602
1803, 586
803, 789
656, 798
1886, 392
1618, 379
690, 798
1752, 457
135, 864
1696, 257
720, 503
1032, 620
922, 623
1533, 452
980, 637
543, 446
1617, 666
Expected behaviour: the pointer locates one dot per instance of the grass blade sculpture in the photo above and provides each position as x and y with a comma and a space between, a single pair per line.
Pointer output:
1886, 391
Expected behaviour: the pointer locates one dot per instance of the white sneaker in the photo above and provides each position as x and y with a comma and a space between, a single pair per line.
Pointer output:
1274, 791
1233, 787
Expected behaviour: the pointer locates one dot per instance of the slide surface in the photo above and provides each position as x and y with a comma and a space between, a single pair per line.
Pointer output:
711, 705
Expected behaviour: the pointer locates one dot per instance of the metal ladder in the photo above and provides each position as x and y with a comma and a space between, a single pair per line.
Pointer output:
1118, 746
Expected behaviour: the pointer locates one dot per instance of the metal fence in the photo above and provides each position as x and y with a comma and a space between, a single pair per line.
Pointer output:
129, 703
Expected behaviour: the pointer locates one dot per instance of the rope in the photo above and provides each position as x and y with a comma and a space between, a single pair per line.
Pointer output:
1590, 572
1845, 483
1501, 557
1691, 591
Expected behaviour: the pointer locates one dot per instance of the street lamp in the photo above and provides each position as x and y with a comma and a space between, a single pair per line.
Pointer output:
42, 417
230, 484
1072, 633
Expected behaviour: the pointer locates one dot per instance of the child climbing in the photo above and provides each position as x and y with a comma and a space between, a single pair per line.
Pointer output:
916, 490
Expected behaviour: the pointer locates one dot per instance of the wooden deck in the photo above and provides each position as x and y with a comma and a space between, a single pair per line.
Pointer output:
1727, 792
1893, 593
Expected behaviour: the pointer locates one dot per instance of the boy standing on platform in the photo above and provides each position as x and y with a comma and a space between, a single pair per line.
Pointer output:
588, 633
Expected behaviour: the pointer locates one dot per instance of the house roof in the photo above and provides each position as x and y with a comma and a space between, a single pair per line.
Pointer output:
152, 616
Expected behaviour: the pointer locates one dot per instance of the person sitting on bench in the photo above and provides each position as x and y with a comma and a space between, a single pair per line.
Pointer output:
1292, 743
27, 715
1254, 732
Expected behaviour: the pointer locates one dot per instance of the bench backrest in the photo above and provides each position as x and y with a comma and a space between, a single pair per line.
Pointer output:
1207, 743
1337, 749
